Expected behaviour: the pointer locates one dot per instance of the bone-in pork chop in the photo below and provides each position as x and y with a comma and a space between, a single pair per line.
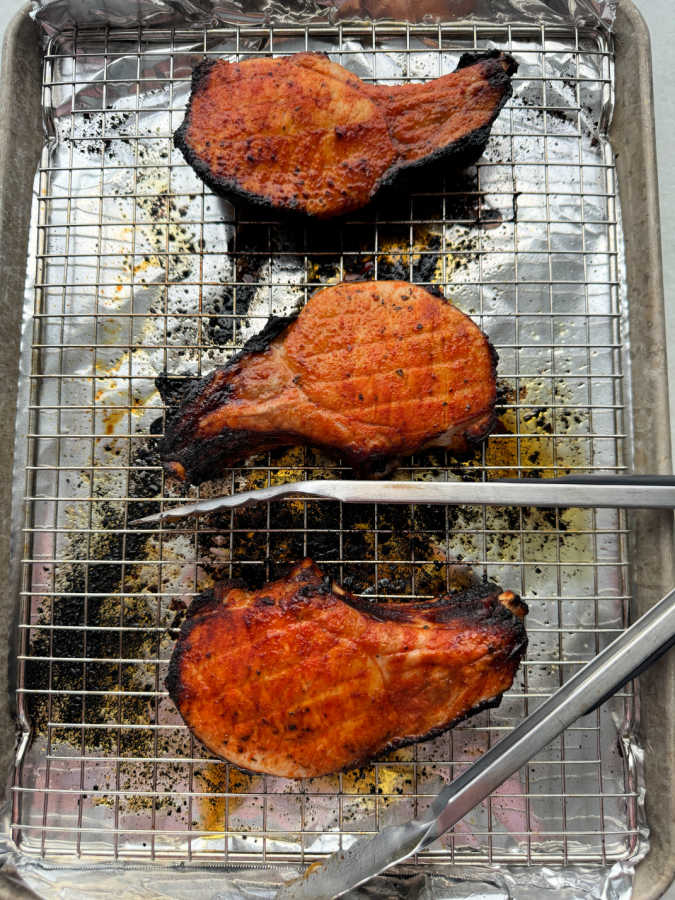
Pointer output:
300, 678
373, 370
303, 133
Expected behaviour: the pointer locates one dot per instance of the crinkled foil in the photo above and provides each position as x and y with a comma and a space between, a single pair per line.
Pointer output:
57, 15
404, 883
119, 240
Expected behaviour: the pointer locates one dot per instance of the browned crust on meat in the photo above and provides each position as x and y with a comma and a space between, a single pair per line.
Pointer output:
371, 401
484, 615
356, 173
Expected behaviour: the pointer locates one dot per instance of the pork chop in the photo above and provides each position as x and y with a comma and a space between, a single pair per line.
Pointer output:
303, 133
372, 370
300, 678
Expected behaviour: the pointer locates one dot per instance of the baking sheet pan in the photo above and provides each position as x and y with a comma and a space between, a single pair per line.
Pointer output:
493, 846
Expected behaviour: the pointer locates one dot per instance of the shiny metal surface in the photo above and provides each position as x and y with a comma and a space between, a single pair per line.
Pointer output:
649, 637
522, 493
58, 15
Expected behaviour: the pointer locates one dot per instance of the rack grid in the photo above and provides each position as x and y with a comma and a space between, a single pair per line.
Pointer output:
141, 270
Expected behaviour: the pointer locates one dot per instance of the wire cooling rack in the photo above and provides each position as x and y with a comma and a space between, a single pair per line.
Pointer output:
141, 270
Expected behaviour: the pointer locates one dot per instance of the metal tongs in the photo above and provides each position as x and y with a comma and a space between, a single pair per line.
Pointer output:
641, 491
625, 658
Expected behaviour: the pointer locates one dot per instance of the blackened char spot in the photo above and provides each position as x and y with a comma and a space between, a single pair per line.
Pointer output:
204, 601
177, 392
473, 56
479, 602
188, 399
174, 390
260, 342
199, 73
157, 425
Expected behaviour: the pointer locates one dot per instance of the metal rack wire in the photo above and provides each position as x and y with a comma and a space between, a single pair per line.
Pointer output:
141, 270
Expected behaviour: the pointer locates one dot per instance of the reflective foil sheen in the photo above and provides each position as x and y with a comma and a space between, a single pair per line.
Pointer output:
56, 15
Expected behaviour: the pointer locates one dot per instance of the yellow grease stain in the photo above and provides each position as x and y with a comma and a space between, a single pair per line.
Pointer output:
111, 419
222, 779
532, 428
398, 255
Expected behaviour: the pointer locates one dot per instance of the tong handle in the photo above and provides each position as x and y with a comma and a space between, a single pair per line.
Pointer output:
639, 646
607, 479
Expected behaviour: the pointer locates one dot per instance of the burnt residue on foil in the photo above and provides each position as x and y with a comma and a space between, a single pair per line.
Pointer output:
119, 702
328, 252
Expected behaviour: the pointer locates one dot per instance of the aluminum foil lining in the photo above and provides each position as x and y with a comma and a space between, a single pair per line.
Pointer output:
547, 152
404, 883
57, 15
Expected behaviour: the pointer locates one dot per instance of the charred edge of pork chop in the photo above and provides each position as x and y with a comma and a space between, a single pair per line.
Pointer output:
490, 703
202, 459
481, 603
499, 606
462, 152
467, 149
471, 57
176, 396
197, 462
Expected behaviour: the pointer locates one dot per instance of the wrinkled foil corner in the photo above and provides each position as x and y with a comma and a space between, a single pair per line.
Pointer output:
180, 882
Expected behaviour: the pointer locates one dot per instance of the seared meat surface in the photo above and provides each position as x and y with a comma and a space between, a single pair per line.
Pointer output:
302, 133
372, 370
300, 678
